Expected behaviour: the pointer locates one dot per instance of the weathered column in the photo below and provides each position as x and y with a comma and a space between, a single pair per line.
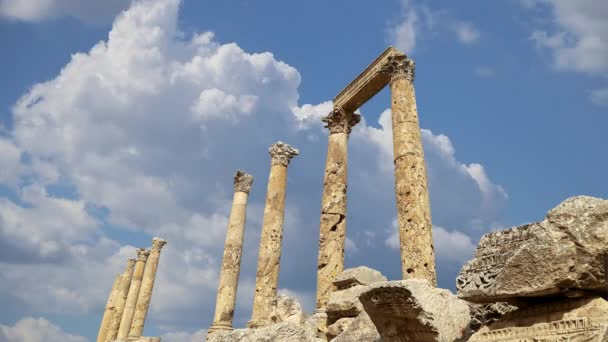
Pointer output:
233, 250
129, 311
267, 276
333, 206
121, 299
413, 208
145, 291
108, 312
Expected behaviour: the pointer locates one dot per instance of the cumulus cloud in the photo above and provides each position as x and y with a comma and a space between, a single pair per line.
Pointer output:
31, 329
37, 10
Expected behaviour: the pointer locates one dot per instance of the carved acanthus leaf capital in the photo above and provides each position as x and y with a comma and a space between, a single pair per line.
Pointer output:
158, 243
242, 181
130, 264
399, 66
341, 121
281, 153
142, 254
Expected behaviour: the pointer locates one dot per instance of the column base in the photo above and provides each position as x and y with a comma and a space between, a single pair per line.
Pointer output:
220, 326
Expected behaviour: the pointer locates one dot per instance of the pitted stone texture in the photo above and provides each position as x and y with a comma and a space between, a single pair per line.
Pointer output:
287, 309
361, 329
411, 189
233, 251
284, 332
361, 275
267, 276
562, 320
339, 327
109, 310
414, 310
565, 253
345, 303
486, 314
121, 300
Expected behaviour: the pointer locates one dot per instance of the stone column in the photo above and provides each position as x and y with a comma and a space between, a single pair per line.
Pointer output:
129, 311
233, 250
145, 291
333, 206
108, 312
121, 299
413, 208
267, 276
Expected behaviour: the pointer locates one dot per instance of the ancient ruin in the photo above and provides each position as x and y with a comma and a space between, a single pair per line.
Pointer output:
543, 281
127, 307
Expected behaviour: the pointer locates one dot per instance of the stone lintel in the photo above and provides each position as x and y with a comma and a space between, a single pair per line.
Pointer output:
367, 84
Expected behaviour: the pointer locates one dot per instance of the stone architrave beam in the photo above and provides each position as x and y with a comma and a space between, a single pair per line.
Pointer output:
233, 251
267, 277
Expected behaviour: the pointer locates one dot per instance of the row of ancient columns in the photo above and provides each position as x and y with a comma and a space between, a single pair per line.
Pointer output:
130, 297
413, 209
267, 276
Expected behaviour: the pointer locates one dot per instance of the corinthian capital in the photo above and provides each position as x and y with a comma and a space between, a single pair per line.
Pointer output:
399, 66
130, 265
158, 243
142, 254
340, 121
281, 153
242, 181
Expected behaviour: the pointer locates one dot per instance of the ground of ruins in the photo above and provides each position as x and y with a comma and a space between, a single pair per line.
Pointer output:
542, 281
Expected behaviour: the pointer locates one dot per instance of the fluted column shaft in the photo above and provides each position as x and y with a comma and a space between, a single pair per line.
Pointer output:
413, 208
121, 299
267, 276
233, 251
333, 206
109, 311
129, 310
145, 291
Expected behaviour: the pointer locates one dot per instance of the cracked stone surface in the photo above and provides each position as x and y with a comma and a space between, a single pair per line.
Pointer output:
414, 310
566, 255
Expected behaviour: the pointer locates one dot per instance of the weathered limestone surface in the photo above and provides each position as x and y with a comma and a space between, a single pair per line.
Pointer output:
361, 329
486, 314
145, 292
361, 275
564, 320
129, 311
233, 251
413, 208
415, 310
287, 309
269, 257
290, 325
147, 339
564, 254
109, 311
121, 299
345, 303
333, 204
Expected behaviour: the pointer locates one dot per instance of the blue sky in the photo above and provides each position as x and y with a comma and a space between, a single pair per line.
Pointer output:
117, 129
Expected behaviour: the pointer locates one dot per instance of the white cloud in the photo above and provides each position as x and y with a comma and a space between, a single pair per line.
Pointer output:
578, 35
30, 329
466, 32
310, 115
600, 96
37, 10
182, 336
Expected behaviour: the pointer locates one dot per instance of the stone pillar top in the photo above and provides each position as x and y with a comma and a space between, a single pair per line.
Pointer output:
242, 181
158, 243
130, 264
281, 153
142, 254
340, 121
399, 66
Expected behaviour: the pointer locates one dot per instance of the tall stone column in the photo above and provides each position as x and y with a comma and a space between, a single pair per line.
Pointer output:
233, 250
145, 291
413, 208
109, 311
129, 311
267, 276
121, 299
333, 206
